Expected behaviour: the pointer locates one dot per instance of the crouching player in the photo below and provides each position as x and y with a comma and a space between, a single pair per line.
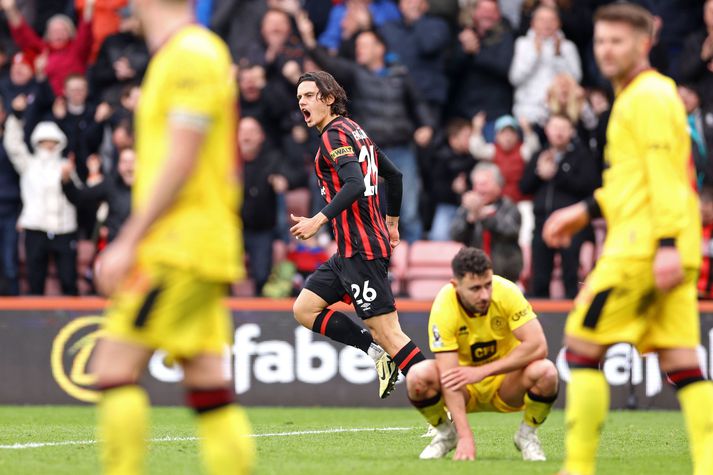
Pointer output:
490, 356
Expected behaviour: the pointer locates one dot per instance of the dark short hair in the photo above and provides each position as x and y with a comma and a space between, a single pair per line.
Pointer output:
634, 15
327, 86
560, 115
455, 125
379, 37
126, 90
470, 260
691, 86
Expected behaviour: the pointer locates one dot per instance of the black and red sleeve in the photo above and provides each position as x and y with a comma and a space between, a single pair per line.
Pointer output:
341, 152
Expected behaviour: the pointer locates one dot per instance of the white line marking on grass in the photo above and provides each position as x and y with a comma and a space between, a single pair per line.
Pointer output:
38, 445
334, 431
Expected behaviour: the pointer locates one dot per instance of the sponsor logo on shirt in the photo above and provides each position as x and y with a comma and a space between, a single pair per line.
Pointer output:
340, 152
483, 351
520, 314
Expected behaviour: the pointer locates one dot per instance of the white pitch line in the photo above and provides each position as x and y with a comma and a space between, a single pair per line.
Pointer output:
37, 445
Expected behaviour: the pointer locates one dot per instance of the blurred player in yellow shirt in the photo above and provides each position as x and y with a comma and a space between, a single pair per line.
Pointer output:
170, 267
643, 288
490, 357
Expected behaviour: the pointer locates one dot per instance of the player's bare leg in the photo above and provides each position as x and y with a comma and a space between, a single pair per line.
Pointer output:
312, 312
587, 405
535, 386
307, 307
123, 407
695, 395
223, 427
386, 330
424, 391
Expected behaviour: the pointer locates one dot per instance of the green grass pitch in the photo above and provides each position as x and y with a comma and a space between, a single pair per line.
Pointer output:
633, 443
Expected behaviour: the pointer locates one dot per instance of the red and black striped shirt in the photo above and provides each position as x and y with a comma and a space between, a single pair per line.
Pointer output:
359, 229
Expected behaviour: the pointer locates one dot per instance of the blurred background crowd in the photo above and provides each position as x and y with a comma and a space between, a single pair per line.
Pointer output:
493, 110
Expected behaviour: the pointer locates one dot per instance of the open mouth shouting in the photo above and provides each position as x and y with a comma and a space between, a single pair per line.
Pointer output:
307, 115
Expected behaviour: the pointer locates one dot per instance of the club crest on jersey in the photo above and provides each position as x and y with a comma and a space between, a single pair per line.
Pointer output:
498, 324
340, 152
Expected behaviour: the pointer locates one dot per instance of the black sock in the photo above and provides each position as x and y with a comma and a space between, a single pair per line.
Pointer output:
408, 356
339, 327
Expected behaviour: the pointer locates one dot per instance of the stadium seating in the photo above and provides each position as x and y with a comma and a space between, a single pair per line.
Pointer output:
297, 202
429, 267
399, 268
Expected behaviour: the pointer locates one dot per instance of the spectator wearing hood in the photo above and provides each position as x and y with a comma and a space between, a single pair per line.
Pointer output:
48, 218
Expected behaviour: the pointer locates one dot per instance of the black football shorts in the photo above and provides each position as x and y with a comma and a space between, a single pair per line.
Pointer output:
364, 284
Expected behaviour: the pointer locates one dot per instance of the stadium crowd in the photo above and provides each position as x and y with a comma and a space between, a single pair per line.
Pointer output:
494, 111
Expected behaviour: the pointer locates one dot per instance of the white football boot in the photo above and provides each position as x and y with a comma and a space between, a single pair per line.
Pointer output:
527, 442
444, 441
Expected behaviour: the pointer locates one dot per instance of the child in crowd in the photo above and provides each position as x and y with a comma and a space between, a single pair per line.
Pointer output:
510, 152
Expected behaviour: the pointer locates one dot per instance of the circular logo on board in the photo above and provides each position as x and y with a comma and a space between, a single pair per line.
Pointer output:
71, 350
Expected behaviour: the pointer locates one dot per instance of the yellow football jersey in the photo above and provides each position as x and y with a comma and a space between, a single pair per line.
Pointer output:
479, 339
647, 192
189, 81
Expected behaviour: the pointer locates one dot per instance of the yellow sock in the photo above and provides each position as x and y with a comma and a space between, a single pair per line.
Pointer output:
587, 408
697, 405
123, 417
433, 409
537, 408
225, 445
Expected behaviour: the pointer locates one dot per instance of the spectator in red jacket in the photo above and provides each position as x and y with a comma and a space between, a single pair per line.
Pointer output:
68, 47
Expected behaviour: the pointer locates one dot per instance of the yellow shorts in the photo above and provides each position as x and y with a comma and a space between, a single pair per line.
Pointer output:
171, 309
484, 396
619, 303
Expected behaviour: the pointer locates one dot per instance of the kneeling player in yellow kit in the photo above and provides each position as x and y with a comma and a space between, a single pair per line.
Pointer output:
490, 356
169, 269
